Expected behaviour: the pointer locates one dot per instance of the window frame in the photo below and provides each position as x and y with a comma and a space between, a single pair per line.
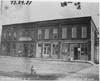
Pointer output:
74, 32
64, 33
55, 34
84, 32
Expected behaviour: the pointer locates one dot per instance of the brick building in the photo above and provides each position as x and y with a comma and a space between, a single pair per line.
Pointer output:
73, 38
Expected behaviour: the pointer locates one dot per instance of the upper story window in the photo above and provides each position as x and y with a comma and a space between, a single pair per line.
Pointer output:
26, 33
64, 32
32, 33
4, 35
20, 33
9, 35
39, 34
46, 33
15, 35
55, 33
74, 32
84, 32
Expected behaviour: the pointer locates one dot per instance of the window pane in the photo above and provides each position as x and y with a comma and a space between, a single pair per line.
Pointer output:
9, 35
39, 31
39, 34
84, 32
64, 32
13, 46
46, 33
74, 32
4, 35
55, 33
15, 35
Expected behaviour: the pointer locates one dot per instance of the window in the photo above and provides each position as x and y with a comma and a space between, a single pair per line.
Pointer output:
55, 33
32, 33
13, 46
64, 32
39, 34
26, 33
9, 35
46, 33
20, 33
4, 47
84, 32
74, 32
84, 49
15, 35
4, 35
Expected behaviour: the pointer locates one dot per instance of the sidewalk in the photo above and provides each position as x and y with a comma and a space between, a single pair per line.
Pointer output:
51, 59
88, 74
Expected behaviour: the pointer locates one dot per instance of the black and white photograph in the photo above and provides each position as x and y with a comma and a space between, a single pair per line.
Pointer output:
49, 40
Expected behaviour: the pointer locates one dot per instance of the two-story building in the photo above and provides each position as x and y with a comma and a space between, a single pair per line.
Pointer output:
72, 38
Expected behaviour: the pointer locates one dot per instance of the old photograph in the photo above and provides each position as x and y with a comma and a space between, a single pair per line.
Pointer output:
49, 40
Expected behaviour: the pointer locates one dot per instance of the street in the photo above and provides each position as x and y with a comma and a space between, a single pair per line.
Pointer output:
19, 67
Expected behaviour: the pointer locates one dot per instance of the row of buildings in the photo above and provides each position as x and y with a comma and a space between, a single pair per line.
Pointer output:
74, 38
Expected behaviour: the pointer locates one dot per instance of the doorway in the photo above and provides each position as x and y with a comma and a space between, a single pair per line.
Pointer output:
47, 50
39, 50
25, 46
76, 54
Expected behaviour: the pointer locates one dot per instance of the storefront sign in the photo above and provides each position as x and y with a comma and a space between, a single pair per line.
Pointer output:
25, 39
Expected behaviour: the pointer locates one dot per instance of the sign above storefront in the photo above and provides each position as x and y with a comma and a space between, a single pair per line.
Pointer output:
25, 39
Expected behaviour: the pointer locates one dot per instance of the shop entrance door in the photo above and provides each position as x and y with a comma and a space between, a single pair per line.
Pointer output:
39, 50
47, 50
25, 46
29, 50
76, 53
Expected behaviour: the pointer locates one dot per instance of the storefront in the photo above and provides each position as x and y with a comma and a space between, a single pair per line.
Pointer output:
74, 51
47, 50
26, 49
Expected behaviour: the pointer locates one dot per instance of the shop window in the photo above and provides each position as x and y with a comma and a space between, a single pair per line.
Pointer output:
3, 47
55, 49
64, 48
84, 32
32, 50
55, 33
64, 32
47, 48
84, 51
39, 45
74, 32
